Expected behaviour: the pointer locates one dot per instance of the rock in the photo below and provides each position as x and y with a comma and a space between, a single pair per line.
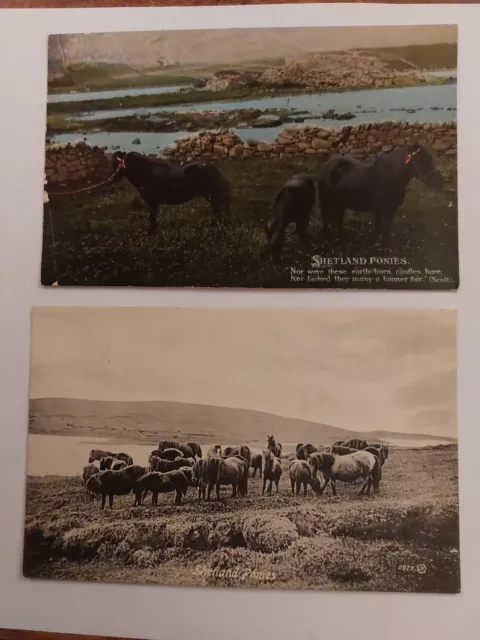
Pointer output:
263, 147
345, 116
317, 144
330, 115
136, 141
236, 151
439, 145
267, 121
219, 150
310, 150
304, 145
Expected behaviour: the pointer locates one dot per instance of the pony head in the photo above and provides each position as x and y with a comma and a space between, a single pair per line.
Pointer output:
423, 165
118, 165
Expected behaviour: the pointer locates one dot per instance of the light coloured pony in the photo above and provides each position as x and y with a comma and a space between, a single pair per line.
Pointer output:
272, 471
349, 468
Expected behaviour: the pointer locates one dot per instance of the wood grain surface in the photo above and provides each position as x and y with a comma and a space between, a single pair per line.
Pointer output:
18, 634
72, 4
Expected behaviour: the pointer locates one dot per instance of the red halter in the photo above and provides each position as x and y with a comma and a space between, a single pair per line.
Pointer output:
410, 156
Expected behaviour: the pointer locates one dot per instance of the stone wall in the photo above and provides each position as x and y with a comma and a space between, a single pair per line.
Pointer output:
71, 163
80, 163
361, 141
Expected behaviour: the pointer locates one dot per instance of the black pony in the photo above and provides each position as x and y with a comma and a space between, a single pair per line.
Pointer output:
158, 182
294, 203
379, 187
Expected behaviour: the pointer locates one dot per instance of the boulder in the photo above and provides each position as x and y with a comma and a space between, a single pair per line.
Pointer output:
318, 143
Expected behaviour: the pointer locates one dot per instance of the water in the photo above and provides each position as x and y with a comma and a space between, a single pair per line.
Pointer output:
149, 142
379, 104
113, 93
426, 104
67, 455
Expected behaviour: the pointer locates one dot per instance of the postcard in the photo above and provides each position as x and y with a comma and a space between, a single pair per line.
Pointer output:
262, 448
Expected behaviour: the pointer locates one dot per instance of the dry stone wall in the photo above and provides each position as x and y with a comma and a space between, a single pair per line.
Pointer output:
81, 163
66, 164
361, 141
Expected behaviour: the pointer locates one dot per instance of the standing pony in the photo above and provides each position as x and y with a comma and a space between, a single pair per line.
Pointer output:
159, 182
272, 471
378, 187
275, 448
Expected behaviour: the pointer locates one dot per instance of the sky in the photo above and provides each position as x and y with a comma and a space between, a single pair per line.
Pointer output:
391, 370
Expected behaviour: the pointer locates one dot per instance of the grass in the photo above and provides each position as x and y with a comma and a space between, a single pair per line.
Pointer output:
104, 76
101, 236
349, 542
427, 56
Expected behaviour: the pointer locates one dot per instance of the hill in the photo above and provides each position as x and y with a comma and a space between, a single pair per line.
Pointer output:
147, 421
154, 49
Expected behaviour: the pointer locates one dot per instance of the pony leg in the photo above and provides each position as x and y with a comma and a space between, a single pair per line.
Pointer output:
299, 486
152, 210
322, 489
103, 500
334, 487
264, 485
305, 489
302, 232
292, 482
110, 500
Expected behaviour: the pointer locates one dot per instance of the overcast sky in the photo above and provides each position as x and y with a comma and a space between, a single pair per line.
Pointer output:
360, 370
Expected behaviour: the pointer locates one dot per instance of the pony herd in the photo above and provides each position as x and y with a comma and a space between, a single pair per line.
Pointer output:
342, 183
174, 467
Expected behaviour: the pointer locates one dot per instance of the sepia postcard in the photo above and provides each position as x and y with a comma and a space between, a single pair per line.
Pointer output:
262, 448
321, 157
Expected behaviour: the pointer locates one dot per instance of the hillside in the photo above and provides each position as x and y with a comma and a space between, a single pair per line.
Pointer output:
146, 421
155, 49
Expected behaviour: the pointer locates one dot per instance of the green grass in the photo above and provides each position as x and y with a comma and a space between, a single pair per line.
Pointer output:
101, 236
103, 76
427, 56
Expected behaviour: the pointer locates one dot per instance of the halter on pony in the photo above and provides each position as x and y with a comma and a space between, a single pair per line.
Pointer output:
410, 159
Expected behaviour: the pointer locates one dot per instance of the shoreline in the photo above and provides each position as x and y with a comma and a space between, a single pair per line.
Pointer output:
221, 95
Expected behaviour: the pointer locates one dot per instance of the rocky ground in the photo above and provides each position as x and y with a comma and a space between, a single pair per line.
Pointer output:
405, 538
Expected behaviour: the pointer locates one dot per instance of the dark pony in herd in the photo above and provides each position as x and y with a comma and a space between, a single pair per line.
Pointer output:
377, 187
158, 182
274, 447
293, 204
174, 466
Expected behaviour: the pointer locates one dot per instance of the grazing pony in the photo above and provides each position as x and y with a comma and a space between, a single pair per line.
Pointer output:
356, 444
275, 448
272, 471
293, 204
342, 450
89, 471
384, 448
300, 474
377, 451
378, 187
98, 454
115, 483
349, 468
214, 450
243, 451
304, 450
189, 450
159, 182
218, 471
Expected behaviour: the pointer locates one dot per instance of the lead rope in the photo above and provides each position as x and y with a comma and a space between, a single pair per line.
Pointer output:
69, 193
